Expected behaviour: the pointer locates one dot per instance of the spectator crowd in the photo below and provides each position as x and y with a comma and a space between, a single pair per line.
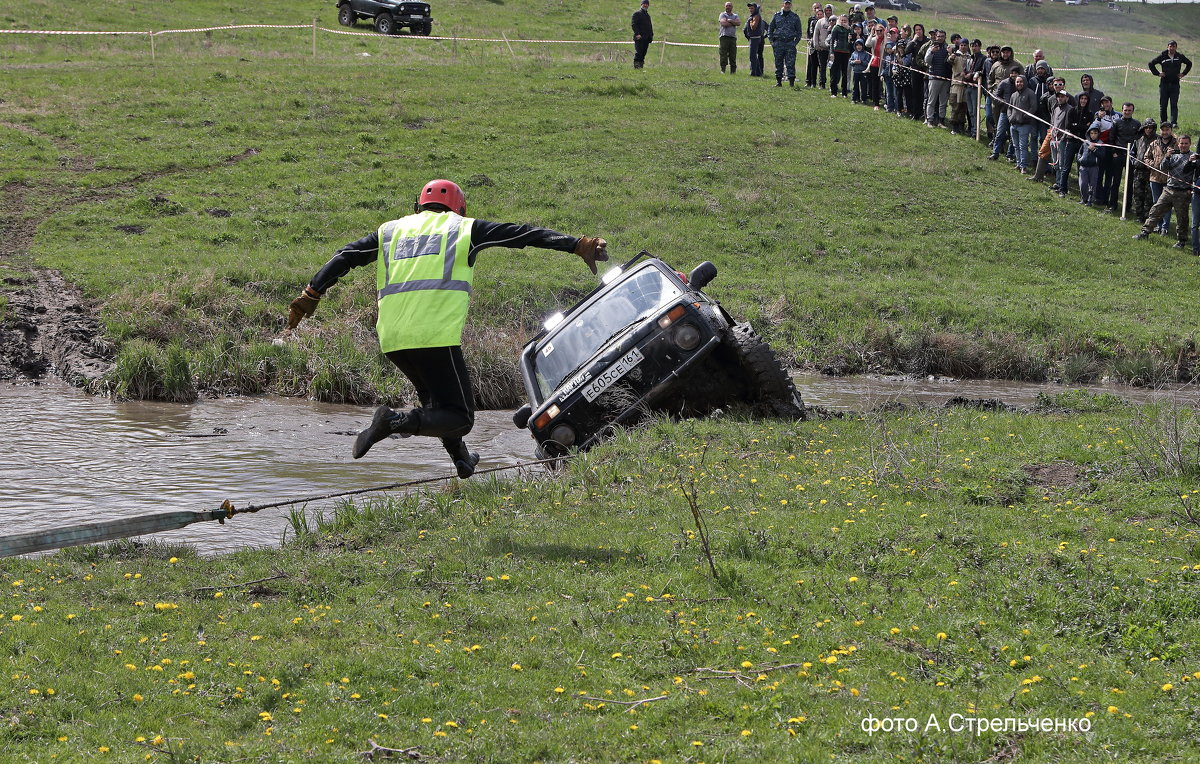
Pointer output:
1028, 115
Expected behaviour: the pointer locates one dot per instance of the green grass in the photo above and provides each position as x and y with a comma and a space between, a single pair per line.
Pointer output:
902, 565
195, 195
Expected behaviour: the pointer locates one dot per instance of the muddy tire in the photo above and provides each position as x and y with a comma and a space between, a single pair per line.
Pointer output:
346, 15
772, 391
551, 450
384, 24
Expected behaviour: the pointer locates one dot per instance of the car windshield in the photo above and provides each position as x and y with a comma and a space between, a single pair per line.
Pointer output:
628, 303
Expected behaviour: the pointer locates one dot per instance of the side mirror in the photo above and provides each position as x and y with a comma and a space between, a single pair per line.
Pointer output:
702, 274
521, 416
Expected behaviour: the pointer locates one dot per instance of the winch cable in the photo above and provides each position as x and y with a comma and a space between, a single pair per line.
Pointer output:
108, 530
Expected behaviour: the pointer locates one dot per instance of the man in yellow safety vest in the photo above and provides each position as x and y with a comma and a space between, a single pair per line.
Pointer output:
424, 265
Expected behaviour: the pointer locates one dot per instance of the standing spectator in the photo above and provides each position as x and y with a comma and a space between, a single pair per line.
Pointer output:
856, 15
820, 42
916, 86
756, 32
1060, 125
960, 68
643, 34
1104, 118
888, 67
784, 33
1088, 85
839, 48
1196, 219
1039, 59
1002, 93
1124, 135
875, 43
937, 59
860, 60
974, 79
1154, 155
728, 23
901, 73
1022, 104
1180, 166
1139, 172
810, 76
1090, 152
984, 77
870, 19
1065, 118
1175, 66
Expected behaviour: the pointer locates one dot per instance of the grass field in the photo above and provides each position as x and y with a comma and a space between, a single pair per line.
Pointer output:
193, 196
723, 590
957, 564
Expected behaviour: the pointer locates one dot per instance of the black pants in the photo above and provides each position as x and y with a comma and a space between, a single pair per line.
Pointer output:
822, 66
639, 52
874, 85
1168, 95
447, 409
840, 72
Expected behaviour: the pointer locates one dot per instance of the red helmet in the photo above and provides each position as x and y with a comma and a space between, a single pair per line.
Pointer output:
443, 192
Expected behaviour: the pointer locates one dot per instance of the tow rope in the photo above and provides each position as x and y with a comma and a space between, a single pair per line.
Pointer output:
91, 533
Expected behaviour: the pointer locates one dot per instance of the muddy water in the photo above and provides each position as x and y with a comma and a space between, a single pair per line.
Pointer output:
68, 458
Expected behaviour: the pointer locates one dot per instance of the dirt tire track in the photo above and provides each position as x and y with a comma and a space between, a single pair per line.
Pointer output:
49, 326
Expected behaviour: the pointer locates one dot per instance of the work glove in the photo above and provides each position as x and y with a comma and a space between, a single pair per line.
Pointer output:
303, 306
593, 250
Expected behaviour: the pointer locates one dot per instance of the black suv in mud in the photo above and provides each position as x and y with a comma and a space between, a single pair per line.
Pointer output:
389, 15
648, 339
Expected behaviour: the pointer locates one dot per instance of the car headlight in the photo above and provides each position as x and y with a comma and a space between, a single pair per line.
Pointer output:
563, 434
686, 336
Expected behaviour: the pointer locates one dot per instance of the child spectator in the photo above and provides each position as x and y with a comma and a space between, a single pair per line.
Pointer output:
860, 59
1090, 154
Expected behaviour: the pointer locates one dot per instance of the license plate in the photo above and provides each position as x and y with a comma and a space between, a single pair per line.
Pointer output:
418, 17
610, 375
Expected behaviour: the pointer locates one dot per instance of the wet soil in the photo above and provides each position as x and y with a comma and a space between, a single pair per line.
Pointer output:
49, 327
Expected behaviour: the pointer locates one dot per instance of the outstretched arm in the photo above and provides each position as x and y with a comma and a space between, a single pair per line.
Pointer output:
486, 234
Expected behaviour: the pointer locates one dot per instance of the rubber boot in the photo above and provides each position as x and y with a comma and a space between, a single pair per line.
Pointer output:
778, 82
385, 422
464, 460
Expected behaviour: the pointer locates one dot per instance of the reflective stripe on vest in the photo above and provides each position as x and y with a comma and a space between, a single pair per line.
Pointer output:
423, 280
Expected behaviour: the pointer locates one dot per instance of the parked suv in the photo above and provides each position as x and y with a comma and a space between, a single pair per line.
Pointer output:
388, 15
648, 339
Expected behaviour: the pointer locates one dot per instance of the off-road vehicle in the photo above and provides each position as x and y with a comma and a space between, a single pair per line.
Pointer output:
647, 340
388, 16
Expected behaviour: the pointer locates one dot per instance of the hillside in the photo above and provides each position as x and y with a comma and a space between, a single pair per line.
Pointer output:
192, 195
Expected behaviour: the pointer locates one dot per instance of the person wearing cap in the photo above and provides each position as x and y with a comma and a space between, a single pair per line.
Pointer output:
1157, 151
1180, 167
784, 34
1141, 200
1170, 67
425, 263
643, 34
727, 26
820, 43
756, 32
1039, 59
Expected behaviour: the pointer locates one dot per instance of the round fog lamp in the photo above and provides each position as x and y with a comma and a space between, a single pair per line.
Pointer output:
687, 336
563, 434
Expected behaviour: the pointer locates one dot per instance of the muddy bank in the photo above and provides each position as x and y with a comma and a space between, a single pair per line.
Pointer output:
48, 327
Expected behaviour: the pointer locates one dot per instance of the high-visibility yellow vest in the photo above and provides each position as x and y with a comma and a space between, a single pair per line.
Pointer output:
424, 280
